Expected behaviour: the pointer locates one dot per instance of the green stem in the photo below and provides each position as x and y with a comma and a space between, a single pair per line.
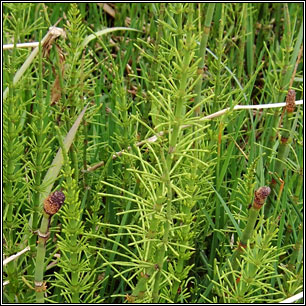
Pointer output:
247, 233
39, 128
155, 108
202, 53
220, 52
180, 102
85, 147
11, 152
244, 18
141, 287
283, 149
286, 134
162, 250
75, 281
250, 42
109, 209
10, 144
40, 258
297, 249
299, 185
260, 197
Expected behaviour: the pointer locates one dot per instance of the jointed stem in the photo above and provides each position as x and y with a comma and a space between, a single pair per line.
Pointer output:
260, 197
40, 258
162, 250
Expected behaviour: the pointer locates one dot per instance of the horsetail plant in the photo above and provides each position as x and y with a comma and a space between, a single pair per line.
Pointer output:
159, 242
295, 258
186, 70
293, 271
185, 234
260, 197
72, 246
256, 268
39, 144
285, 140
283, 61
15, 171
234, 286
51, 206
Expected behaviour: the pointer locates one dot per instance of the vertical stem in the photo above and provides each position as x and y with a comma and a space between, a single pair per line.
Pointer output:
180, 102
218, 206
140, 289
286, 139
162, 250
244, 18
85, 147
297, 249
250, 42
10, 144
12, 150
260, 196
40, 258
299, 185
202, 53
220, 44
40, 142
155, 69
72, 224
109, 210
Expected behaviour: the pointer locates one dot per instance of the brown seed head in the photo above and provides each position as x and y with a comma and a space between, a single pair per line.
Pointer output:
54, 202
260, 196
290, 101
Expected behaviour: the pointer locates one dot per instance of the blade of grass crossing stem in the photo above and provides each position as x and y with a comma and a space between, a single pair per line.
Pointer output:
28, 62
50, 176
57, 163
89, 38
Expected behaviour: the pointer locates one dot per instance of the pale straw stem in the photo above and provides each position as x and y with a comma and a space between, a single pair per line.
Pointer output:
13, 257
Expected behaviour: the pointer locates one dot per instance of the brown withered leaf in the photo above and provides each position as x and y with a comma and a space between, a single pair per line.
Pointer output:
56, 91
54, 34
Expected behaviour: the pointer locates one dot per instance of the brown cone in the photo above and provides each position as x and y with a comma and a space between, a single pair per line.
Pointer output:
54, 202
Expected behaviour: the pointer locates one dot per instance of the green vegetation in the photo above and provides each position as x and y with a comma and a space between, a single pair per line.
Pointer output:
163, 202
